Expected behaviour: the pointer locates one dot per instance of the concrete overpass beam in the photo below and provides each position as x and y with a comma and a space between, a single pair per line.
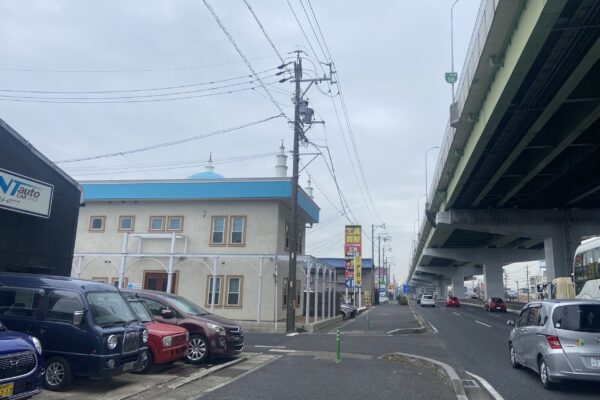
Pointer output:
492, 275
483, 255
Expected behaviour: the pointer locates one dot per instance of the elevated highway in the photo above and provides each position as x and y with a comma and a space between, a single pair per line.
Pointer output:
518, 175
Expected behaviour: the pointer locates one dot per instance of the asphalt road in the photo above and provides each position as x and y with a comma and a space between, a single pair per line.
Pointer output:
479, 341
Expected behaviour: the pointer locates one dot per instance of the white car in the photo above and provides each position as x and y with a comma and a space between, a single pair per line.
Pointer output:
427, 300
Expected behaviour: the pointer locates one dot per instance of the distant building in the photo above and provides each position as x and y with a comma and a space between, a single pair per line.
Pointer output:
222, 243
367, 278
39, 205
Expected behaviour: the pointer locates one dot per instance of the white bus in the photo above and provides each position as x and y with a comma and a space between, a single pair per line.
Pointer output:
587, 268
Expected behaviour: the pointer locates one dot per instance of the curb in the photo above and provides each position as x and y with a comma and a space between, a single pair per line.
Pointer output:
205, 372
487, 386
455, 380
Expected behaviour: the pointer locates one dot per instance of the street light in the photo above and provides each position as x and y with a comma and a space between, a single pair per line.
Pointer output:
426, 186
452, 46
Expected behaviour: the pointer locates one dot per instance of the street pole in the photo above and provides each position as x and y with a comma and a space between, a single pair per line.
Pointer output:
378, 266
290, 322
452, 44
528, 284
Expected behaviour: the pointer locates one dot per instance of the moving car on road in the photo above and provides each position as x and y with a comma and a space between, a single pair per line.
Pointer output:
427, 300
452, 301
494, 304
166, 343
209, 333
86, 328
558, 340
21, 367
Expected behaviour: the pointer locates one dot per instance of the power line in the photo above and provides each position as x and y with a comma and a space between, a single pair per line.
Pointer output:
119, 169
139, 90
304, 33
129, 70
262, 28
362, 182
172, 143
137, 96
239, 51
313, 29
108, 101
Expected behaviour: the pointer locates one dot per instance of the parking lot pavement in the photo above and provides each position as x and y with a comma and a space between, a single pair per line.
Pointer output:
178, 381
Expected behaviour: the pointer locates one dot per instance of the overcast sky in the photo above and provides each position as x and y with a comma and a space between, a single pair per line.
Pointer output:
390, 57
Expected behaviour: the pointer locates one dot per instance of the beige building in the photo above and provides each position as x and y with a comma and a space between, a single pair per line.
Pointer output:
222, 243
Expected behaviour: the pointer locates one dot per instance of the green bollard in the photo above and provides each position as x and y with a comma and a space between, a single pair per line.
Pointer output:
368, 323
338, 352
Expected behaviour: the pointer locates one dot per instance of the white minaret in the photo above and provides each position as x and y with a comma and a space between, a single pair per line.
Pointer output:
281, 166
309, 189
210, 167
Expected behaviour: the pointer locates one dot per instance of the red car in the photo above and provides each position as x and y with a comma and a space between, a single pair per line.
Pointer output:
166, 343
452, 301
495, 304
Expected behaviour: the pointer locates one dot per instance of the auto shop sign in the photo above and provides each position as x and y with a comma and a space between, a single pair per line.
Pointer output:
25, 195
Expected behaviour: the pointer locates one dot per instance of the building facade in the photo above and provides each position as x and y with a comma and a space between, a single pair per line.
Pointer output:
222, 243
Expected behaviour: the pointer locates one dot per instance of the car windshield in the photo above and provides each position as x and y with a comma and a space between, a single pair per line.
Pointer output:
577, 317
109, 308
141, 311
497, 300
187, 306
427, 297
453, 298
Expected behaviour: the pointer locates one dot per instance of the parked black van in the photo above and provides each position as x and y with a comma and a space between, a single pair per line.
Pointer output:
86, 328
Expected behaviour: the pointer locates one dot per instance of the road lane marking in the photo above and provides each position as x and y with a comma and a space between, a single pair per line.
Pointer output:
433, 327
283, 351
455, 313
481, 323
292, 334
487, 386
269, 347
393, 331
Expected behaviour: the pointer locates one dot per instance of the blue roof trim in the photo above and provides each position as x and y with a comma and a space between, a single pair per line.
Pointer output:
201, 190
367, 263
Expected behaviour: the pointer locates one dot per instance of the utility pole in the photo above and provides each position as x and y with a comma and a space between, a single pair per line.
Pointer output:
302, 115
528, 284
373, 256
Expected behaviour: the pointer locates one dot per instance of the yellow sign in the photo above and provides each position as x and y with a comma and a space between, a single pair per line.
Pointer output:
357, 271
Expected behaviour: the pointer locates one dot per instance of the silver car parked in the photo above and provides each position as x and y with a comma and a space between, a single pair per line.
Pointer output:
558, 339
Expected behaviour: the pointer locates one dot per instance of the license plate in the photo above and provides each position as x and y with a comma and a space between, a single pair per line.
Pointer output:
595, 362
6, 389
128, 366
498, 308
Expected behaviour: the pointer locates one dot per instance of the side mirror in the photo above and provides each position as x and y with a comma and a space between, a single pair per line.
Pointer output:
510, 322
77, 318
166, 313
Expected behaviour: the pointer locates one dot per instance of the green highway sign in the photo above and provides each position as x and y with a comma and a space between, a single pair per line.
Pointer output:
451, 77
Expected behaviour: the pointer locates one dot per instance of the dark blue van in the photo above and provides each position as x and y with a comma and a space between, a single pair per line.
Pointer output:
21, 368
86, 328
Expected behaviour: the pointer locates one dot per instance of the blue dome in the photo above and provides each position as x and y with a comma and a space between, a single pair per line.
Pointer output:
205, 175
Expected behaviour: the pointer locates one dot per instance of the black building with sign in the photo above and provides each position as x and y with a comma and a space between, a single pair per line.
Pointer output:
39, 207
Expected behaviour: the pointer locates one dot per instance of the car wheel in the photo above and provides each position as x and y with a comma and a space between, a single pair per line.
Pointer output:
147, 361
544, 375
198, 350
58, 374
513, 358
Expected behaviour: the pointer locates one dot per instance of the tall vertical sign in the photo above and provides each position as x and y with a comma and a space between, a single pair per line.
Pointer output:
352, 253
